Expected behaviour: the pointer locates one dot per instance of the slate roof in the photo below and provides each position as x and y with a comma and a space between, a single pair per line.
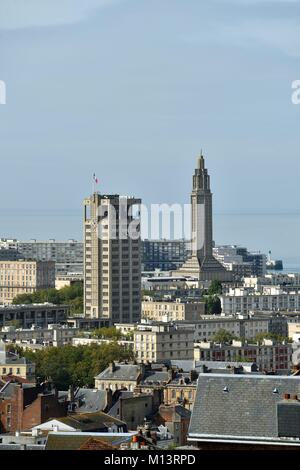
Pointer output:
121, 372
243, 407
76, 440
90, 400
186, 377
152, 376
13, 359
185, 364
169, 412
90, 421
8, 389
114, 409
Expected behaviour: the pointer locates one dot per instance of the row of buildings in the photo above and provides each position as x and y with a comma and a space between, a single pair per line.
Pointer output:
160, 254
206, 404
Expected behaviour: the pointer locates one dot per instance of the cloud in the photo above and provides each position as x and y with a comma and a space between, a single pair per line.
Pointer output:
17, 14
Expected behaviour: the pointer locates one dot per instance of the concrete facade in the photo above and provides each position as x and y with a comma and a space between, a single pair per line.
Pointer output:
33, 314
24, 277
161, 342
244, 300
171, 311
112, 258
202, 263
268, 355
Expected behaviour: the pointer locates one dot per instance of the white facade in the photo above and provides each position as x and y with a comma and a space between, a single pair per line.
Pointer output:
162, 342
272, 298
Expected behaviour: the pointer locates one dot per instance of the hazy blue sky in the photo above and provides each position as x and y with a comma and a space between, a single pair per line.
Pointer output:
132, 89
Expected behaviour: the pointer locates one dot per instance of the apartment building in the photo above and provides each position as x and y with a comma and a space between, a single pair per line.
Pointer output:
242, 326
268, 355
165, 255
160, 342
244, 300
24, 277
112, 258
240, 261
178, 309
67, 255
54, 335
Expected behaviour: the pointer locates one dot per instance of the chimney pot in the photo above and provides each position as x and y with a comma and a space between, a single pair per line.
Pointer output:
286, 396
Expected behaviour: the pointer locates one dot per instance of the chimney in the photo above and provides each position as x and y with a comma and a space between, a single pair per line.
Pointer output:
142, 369
170, 374
193, 375
294, 397
112, 367
109, 400
286, 396
71, 396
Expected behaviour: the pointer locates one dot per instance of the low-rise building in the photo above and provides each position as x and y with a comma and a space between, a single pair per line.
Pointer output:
177, 419
15, 366
159, 342
18, 367
172, 310
24, 405
40, 315
24, 277
54, 335
269, 355
119, 376
134, 408
83, 422
87, 341
181, 389
97, 441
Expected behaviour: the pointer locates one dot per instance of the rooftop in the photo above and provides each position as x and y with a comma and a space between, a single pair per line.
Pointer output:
120, 371
239, 407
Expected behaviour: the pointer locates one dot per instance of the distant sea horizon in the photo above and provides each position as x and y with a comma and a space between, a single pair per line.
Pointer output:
258, 231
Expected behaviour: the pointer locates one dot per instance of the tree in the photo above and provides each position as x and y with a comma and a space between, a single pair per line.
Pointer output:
107, 332
77, 365
223, 336
274, 336
215, 288
213, 305
70, 295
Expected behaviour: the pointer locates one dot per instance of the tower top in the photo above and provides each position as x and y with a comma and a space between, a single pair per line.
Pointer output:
201, 177
200, 162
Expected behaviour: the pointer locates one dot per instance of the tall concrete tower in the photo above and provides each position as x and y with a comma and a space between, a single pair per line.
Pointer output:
202, 263
112, 258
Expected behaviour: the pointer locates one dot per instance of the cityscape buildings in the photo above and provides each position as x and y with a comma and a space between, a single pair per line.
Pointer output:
67, 255
239, 261
163, 255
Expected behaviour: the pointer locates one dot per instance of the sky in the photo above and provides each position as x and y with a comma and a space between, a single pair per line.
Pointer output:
132, 90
